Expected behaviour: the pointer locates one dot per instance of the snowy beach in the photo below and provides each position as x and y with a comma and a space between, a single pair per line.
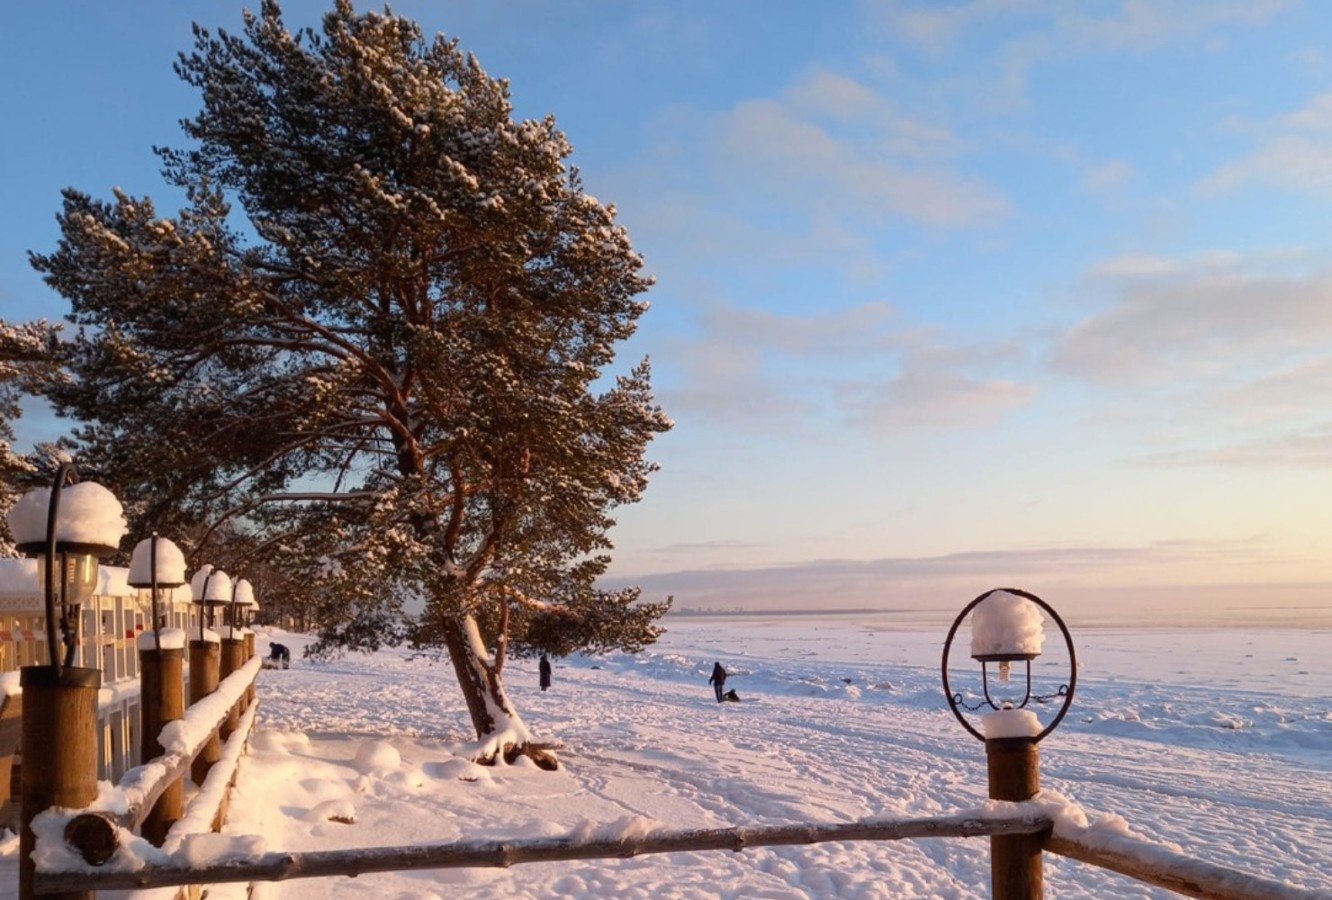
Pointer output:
1218, 740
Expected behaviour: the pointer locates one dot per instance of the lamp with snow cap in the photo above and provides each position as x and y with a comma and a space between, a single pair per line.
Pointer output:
1007, 627
58, 736
210, 590
156, 563
69, 543
242, 598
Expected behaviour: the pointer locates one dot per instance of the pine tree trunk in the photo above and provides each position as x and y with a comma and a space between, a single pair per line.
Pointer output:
483, 690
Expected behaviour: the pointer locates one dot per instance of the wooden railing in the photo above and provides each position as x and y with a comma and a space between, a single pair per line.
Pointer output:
72, 840
1136, 858
67, 818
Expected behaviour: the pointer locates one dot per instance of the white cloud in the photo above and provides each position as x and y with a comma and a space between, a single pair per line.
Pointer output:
1107, 178
1066, 576
935, 388
828, 96
1198, 321
860, 329
1293, 152
1050, 30
1308, 449
1290, 393
1132, 265
750, 369
765, 146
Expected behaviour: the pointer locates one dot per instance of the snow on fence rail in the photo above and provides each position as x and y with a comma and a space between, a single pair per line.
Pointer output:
234, 859
617, 841
127, 805
95, 824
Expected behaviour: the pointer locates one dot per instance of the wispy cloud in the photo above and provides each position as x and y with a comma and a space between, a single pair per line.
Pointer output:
1301, 450
1172, 321
935, 387
776, 148
952, 578
748, 369
1107, 178
1294, 152
1042, 31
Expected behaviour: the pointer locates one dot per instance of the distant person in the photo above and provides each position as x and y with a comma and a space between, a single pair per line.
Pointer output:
544, 669
279, 657
717, 680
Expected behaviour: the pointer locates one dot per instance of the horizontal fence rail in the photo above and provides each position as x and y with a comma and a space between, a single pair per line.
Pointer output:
141, 786
1158, 865
279, 866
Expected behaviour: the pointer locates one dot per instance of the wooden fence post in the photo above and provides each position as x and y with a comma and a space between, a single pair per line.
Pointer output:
11, 733
204, 659
59, 753
1015, 859
233, 658
249, 655
162, 701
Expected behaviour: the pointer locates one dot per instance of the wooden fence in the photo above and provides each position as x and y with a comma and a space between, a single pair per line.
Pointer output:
118, 715
109, 628
207, 742
93, 837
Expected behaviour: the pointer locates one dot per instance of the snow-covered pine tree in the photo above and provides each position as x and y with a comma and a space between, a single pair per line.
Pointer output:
389, 360
29, 360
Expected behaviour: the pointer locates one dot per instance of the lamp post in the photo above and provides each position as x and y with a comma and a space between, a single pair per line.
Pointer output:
233, 647
209, 588
59, 740
1006, 629
242, 598
158, 563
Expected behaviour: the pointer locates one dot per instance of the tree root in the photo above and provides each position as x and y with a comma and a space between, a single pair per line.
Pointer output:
541, 754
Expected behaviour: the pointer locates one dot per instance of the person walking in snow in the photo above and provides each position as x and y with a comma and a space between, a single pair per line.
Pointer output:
717, 680
544, 669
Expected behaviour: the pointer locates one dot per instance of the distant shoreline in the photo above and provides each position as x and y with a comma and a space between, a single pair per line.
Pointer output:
1276, 618
738, 613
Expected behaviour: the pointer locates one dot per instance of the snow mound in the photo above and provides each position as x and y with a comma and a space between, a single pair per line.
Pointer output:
459, 769
273, 740
341, 811
377, 758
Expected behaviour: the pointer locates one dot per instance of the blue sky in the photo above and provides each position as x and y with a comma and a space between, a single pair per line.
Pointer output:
951, 295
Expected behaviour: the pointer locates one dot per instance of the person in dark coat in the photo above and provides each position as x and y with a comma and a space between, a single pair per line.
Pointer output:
544, 669
717, 680
279, 657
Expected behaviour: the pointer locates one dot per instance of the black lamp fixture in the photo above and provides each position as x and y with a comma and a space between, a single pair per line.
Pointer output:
242, 598
210, 589
68, 546
156, 563
1006, 629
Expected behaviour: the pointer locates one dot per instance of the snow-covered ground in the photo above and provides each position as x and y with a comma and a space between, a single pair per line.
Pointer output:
1220, 741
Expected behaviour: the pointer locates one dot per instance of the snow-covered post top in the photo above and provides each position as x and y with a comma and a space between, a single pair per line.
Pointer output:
243, 593
89, 514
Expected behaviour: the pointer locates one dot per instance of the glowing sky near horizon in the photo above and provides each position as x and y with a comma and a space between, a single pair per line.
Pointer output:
950, 294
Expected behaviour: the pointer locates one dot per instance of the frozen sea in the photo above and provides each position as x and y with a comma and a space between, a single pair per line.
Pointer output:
1218, 740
